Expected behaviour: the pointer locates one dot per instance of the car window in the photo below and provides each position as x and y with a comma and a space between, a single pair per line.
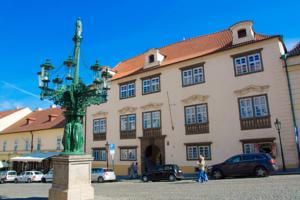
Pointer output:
234, 159
167, 167
11, 173
248, 157
38, 173
28, 173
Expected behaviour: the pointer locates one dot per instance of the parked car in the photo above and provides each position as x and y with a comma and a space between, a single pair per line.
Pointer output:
48, 177
102, 174
165, 172
252, 164
8, 176
29, 176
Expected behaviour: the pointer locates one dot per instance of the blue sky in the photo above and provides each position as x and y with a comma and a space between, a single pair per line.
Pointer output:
33, 30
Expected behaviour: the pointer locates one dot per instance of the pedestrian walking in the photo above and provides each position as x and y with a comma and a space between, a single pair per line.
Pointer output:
136, 169
202, 176
131, 171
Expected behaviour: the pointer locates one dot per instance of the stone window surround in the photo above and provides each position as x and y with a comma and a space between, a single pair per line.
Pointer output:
128, 148
182, 69
127, 83
198, 144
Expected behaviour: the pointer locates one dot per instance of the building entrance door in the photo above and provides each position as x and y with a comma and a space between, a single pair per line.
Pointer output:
152, 152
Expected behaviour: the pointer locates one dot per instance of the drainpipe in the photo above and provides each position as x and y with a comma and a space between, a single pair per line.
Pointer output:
284, 58
31, 146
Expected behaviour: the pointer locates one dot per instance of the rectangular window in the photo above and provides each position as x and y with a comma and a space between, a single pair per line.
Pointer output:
127, 122
151, 119
58, 143
4, 146
254, 112
99, 126
255, 106
127, 90
16, 145
39, 144
248, 63
195, 150
151, 85
26, 145
196, 114
249, 148
99, 154
128, 154
192, 75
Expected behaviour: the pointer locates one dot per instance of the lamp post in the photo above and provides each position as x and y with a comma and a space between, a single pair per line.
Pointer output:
72, 94
106, 152
277, 124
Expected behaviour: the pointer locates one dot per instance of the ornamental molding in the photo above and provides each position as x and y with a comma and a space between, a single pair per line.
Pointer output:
252, 88
195, 99
127, 109
152, 106
100, 113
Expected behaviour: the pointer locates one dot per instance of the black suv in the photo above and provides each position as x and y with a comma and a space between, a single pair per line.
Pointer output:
253, 164
164, 172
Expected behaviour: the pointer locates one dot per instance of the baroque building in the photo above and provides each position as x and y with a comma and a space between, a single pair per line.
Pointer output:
216, 95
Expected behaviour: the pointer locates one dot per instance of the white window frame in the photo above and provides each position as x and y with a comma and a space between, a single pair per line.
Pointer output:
39, 144
99, 126
248, 64
128, 122
152, 119
254, 106
99, 154
196, 114
151, 85
127, 90
4, 147
128, 154
16, 145
192, 76
194, 151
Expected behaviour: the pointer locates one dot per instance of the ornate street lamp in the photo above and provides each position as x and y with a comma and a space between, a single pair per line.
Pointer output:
277, 124
73, 95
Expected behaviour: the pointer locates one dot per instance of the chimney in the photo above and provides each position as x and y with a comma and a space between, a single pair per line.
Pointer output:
39, 109
30, 120
52, 117
53, 106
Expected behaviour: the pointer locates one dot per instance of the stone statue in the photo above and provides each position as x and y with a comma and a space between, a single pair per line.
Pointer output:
66, 140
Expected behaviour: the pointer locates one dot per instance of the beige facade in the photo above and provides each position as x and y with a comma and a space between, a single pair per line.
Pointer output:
220, 91
38, 131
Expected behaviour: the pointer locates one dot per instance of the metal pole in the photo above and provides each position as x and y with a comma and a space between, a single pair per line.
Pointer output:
282, 156
77, 40
106, 149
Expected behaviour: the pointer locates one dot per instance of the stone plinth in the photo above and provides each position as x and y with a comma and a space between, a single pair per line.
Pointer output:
72, 178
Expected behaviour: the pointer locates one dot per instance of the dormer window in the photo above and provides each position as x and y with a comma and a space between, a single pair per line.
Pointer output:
242, 33
151, 58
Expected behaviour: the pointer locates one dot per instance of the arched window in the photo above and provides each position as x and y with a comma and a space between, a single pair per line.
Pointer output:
242, 33
151, 58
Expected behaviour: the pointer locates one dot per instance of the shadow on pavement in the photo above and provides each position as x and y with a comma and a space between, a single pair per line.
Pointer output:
27, 198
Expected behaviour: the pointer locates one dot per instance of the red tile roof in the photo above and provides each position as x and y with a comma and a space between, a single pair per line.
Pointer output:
295, 51
38, 120
8, 112
184, 50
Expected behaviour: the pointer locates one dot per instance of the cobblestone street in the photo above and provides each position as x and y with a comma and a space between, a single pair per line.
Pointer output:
275, 187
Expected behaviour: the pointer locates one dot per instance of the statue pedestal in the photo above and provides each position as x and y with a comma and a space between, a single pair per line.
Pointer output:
72, 178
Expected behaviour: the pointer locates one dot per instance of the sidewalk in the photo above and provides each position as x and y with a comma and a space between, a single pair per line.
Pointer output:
287, 172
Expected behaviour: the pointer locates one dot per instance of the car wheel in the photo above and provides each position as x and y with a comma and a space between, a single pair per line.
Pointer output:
145, 179
100, 179
261, 172
16, 181
29, 180
172, 178
1, 181
217, 174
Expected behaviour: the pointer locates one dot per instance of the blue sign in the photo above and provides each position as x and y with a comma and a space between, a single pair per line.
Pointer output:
111, 147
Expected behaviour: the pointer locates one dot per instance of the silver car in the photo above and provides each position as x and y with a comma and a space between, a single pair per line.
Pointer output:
102, 174
29, 176
48, 177
8, 176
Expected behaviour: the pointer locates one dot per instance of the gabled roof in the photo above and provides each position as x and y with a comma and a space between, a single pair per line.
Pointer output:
8, 112
295, 51
39, 121
184, 50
